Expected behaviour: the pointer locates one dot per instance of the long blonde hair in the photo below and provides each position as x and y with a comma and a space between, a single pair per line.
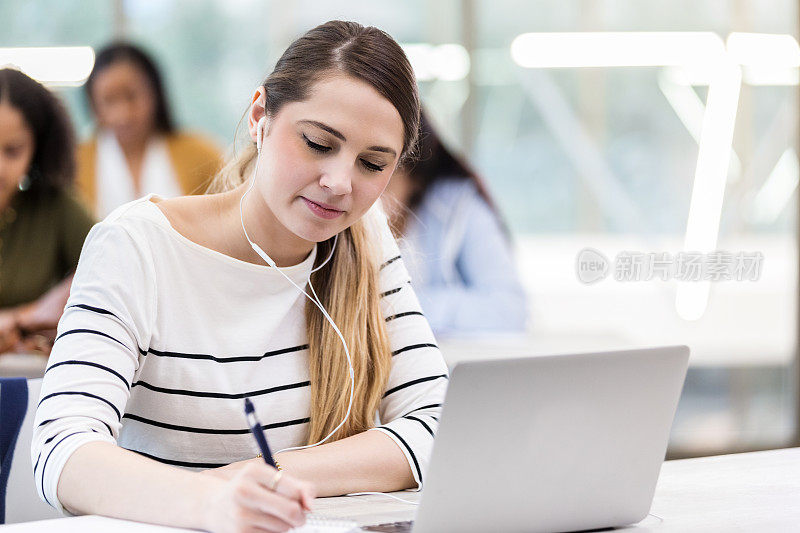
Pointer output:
348, 284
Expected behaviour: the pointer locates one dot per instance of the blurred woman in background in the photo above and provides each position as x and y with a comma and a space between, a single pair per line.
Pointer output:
42, 227
137, 149
454, 243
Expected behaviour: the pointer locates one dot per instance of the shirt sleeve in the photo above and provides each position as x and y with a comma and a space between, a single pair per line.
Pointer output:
102, 339
409, 410
490, 297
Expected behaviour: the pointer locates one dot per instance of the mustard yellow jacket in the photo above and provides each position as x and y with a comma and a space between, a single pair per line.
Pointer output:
195, 160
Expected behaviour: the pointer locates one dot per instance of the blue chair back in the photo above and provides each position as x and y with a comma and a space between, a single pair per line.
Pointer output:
13, 406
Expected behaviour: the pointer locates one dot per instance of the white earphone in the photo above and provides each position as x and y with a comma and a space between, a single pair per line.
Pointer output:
260, 127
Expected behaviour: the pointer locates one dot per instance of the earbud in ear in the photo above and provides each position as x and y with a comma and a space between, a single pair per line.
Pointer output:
260, 132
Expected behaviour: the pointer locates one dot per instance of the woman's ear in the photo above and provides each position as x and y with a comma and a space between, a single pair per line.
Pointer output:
256, 113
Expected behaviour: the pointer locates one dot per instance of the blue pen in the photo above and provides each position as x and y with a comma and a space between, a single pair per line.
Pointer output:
258, 432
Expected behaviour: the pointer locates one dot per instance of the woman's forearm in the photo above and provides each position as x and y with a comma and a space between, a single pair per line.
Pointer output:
45, 312
369, 461
102, 478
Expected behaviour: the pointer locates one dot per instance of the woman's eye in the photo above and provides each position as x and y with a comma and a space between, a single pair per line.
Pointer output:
372, 167
314, 146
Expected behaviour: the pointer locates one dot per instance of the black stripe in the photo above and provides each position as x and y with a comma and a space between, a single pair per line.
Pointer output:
426, 426
80, 393
413, 347
212, 431
104, 312
227, 359
93, 332
401, 315
44, 466
387, 293
179, 463
423, 407
93, 418
410, 451
89, 363
390, 261
95, 309
48, 441
238, 395
36, 465
413, 382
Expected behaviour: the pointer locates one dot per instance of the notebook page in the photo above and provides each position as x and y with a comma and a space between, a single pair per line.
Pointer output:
322, 524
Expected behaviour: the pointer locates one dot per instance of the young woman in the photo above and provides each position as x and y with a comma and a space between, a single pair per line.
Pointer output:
42, 227
454, 244
175, 317
137, 149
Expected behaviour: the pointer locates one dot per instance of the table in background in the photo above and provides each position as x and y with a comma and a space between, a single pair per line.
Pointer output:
25, 365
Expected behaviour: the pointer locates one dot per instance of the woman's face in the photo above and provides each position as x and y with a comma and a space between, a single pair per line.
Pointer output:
124, 102
326, 160
17, 146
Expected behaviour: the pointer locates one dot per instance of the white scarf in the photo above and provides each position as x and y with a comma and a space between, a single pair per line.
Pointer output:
114, 181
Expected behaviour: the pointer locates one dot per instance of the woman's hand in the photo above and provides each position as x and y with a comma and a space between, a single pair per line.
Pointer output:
9, 330
252, 501
38, 343
18, 335
228, 472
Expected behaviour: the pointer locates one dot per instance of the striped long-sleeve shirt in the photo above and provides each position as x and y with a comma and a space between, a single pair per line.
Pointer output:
162, 338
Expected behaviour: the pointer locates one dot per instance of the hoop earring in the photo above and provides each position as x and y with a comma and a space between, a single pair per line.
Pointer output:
25, 183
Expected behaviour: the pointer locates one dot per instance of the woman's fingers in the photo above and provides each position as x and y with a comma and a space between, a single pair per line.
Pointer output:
8, 325
294, 489
287, 485
248, 519
9, 339
255, 497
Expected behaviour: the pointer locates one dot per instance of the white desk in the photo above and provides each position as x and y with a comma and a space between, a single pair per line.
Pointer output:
745, 492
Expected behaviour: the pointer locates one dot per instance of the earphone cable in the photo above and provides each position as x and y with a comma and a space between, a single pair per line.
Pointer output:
314, 300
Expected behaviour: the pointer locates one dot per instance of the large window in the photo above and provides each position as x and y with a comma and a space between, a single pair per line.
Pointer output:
655, 143
653, 150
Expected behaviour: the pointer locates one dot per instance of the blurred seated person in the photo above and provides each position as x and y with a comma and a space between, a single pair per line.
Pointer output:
454, 243
42, 227
136, 149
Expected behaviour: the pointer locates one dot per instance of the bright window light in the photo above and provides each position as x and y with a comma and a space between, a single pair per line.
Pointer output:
63, 65
448, 62
705, 207
771, 200
616, 49
763, 50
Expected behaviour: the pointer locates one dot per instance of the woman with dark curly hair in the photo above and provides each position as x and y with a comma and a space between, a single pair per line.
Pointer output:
42, 227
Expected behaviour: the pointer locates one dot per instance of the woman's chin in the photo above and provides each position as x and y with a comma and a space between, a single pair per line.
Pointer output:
317, 230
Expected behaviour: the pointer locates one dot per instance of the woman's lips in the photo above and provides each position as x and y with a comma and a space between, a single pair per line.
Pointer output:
320, 211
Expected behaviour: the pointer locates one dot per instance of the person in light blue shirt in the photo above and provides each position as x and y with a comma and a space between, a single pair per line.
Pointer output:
454, 243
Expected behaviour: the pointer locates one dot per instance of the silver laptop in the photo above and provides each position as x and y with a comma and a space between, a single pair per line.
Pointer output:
554, 443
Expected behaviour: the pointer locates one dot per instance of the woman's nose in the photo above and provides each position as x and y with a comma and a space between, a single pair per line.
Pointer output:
336, 178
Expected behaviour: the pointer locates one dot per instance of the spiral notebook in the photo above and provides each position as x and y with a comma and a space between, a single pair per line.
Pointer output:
323, 524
